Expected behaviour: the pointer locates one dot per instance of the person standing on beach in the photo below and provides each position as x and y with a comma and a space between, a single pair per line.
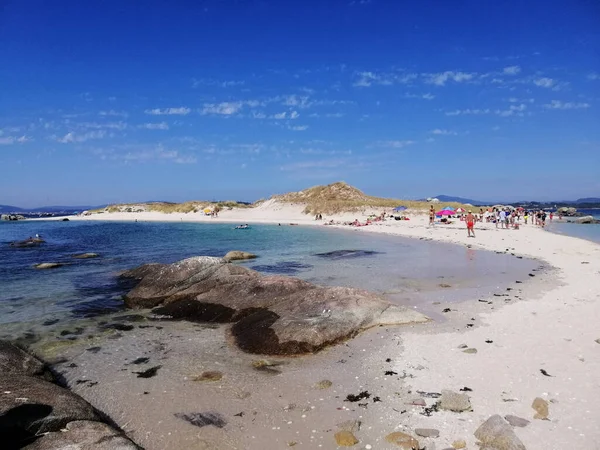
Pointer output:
431, 215
470, 224
502, 218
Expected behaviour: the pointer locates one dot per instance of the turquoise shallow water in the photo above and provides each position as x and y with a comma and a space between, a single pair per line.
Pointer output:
590, 232
408, 271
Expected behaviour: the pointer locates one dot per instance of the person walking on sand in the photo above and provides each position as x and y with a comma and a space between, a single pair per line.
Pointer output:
431, 215
470, 224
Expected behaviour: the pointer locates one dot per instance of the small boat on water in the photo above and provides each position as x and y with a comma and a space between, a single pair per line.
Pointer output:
242, 227
30, 242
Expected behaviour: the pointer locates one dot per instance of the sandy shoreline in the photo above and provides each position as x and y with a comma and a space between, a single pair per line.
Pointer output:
552, 326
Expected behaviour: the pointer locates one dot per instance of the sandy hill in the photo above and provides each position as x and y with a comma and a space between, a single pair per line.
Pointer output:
341, 197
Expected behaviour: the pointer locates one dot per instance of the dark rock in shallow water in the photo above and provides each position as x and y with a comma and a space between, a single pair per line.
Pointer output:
345, 254
272, 314
203, 419
84, 435
282, 268
148, 373
36, 406
118, 326
140, 361
16, 361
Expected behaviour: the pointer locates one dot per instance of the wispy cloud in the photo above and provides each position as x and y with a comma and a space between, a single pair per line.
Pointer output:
114, 113
426, 96
512, 110
366, 79
440, 79
286, 115
155, 126
315, 164
557, 104
73, 137
395, 144
181, 111
222, 109
593, 76
544, 82
298, 127
10, 140
511, 70
468, 112
100, 126
210, 82
145, 155
441, 132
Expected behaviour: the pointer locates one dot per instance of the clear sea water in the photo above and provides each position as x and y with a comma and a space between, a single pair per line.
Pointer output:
591, 232
407, 271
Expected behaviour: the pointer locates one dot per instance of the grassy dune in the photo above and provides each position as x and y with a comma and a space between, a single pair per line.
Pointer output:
169, 208
340, 197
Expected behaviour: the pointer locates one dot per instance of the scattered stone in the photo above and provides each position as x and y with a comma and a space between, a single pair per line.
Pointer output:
142, 360
390, 373
531, 275
460, 443
489, 341
466, 389
93, 349
211, 375
352, 426
49, 322
403, 440
463, 346
495, 433
345, 439
236, 255
453, 401
427, 432
597, 341
418, 402
118, 326
429, 394
444, 285
516, 421
203, 419
86, 255
545, 373
446, 310
324, 384
148, 373
266, 366
541, 407
470, 351
48, 265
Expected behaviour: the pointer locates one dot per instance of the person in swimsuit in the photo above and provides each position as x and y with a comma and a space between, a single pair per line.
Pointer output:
431, 215
470, 224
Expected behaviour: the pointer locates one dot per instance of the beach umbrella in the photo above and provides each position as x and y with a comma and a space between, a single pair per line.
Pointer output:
444, 212
447, 208
207, 210
400, 208
460, 210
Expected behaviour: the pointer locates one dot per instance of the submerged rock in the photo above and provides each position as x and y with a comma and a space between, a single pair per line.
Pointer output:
345, 254
345, 439
403, 440
236, 255
84, 435
52, 265
86, 255
541, 408
270, 314
453, 401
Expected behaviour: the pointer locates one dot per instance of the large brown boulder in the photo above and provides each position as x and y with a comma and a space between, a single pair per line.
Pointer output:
16, 361
84, 435
31, 406
271, 314
236, 255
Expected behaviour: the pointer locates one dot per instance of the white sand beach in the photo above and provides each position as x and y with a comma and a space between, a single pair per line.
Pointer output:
551, 325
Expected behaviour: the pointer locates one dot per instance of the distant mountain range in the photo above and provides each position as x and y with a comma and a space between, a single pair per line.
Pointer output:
5, 209
578, 202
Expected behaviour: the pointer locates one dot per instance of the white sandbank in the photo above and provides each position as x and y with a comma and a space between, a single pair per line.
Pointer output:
554, 327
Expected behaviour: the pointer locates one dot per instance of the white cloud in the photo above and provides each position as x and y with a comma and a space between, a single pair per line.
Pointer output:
258, 115
285, 115
10, 140
593, 76
155, 126
366, 79
440, 79
427, 96
557, 104
521, 100
299, 101
99, 126
223, 109
512, 70
441, 132
145, 155
316, 164
466, 112
395, 144
512, 110
544, 82
210, 82
181, 111
112, 112
298, 127
73, 137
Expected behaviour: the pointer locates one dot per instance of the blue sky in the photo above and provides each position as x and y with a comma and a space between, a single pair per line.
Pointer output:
107, 101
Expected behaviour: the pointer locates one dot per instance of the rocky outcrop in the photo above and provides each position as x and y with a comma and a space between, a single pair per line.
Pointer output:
236, 255
52, 265
86, 255
270, 314
585, 219
37, 414
31, 242
567, 211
